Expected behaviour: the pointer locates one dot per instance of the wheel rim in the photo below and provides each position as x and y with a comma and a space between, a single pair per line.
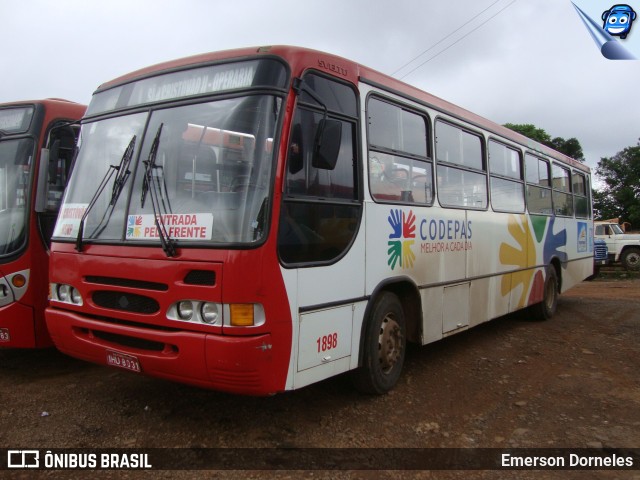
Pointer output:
633, 259
389, 343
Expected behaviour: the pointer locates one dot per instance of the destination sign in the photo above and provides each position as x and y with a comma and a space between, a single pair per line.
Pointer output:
188, 83
15, 120
185, 84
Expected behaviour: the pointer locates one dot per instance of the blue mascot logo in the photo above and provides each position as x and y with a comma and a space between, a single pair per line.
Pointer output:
618, 20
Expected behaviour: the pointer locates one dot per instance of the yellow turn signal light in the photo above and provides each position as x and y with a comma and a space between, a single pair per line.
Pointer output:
241, 314
19, 280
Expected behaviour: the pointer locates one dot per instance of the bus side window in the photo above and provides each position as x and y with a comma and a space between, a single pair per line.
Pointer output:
61, 150
319, 212
462, 178
507, 183
538, 185
562, 198
62, 143
400, 168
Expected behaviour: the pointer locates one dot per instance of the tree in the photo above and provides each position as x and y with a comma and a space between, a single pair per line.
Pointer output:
570, 147
620, 196
530, 131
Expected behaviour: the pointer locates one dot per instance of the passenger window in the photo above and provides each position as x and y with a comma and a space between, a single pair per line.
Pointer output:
538, 185
507, 187
400, 169
462, 177
581, 195
562, 198
457, 146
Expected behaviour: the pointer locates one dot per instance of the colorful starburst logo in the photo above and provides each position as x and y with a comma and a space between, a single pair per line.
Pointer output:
401, 239
134, 226
523, 255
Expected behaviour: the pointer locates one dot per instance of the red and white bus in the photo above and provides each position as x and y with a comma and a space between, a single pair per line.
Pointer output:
257, 220
37, 141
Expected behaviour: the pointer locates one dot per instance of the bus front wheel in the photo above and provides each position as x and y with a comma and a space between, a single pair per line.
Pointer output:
384, 347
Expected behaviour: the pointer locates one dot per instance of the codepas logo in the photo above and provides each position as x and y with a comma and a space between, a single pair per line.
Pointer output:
433, 236
401, 239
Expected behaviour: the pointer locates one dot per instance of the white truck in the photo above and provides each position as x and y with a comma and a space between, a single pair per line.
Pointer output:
623, 247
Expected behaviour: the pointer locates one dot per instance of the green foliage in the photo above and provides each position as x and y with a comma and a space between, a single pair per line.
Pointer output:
530, 131
570, 147
621, 194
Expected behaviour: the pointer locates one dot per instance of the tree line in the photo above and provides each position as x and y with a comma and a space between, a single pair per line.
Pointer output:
619, 196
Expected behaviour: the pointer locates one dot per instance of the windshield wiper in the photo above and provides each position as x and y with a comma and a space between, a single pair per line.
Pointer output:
151, 187
123, 172
150, 166
92, 202
118, 185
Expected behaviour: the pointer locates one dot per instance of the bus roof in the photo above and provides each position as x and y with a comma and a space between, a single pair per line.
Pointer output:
300, 59
45, 101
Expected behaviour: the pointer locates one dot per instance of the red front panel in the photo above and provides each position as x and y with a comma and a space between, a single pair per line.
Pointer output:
17, 327
251, 360
22, 323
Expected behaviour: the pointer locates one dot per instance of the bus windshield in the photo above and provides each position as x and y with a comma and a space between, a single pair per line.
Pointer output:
16, 157
195, 173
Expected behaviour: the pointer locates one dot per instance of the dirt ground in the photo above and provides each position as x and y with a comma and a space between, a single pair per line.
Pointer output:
569, 382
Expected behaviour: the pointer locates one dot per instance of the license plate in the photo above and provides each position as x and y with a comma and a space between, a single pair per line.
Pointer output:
4, 335
120, 360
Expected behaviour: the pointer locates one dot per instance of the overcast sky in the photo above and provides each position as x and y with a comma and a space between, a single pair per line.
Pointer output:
533, 62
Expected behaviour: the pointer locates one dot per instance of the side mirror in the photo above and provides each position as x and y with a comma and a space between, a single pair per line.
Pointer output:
327, 144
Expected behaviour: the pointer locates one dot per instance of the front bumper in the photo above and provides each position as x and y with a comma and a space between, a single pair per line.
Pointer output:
236, 364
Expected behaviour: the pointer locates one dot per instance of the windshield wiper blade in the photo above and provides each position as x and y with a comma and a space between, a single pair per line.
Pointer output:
151, 187
92, 202
150, 164
118, 185
123, 172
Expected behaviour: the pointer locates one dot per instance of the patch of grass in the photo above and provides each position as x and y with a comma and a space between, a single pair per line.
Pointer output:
616, 272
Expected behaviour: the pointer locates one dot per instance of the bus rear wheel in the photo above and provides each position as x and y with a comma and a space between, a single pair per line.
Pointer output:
384, 347
545, 309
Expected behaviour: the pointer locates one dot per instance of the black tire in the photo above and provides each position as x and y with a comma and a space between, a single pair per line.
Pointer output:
384, 347
631, 259
545, 309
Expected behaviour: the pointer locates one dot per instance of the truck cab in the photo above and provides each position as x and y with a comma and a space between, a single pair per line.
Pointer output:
623, 247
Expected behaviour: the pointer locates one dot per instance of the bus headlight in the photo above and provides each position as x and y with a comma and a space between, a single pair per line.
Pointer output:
65, 293
76, 298
185, 310
209, 312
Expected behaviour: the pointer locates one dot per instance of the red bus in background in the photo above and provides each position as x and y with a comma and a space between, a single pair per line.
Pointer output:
37, 143
257, 220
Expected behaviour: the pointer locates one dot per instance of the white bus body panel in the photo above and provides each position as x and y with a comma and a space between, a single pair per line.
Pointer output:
326, 301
